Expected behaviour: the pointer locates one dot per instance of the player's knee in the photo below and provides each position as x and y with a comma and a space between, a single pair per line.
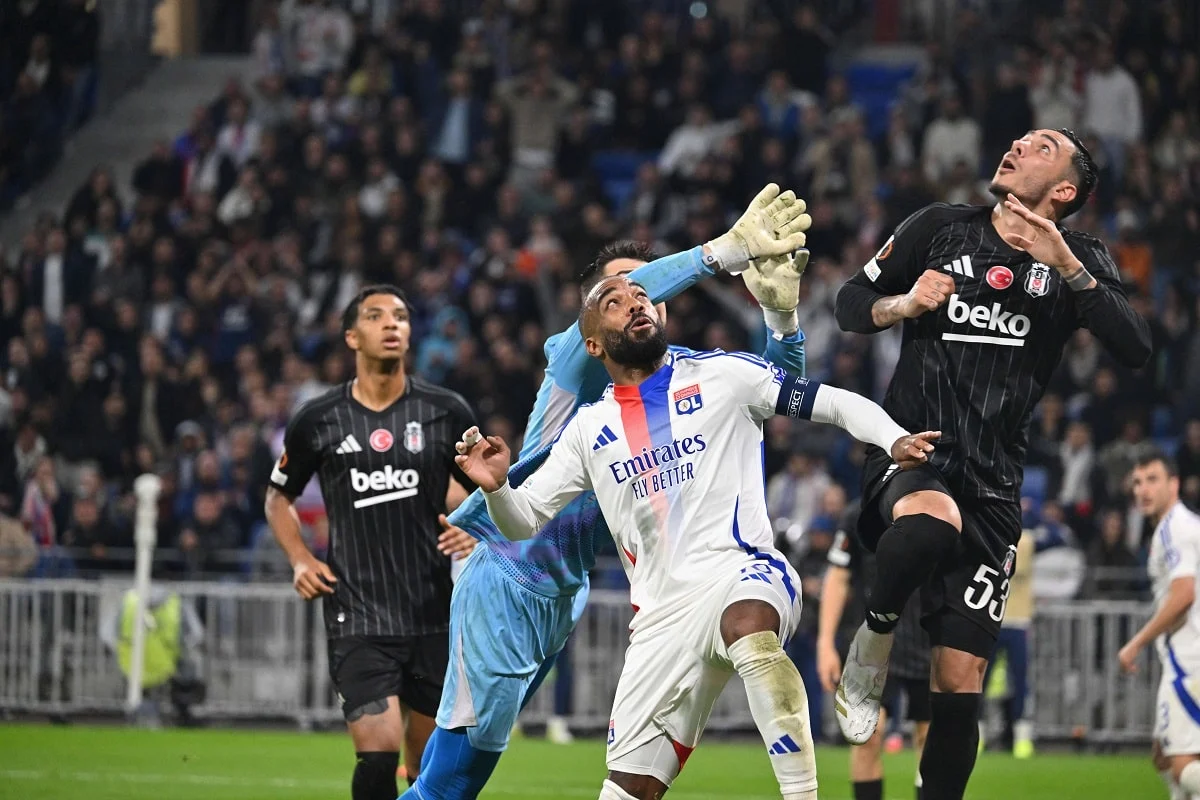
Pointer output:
625, 786
747, 617
924, 537
957, 671
938, 505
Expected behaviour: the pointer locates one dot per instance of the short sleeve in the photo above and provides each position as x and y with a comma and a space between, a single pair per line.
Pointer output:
300, 457
1183, 554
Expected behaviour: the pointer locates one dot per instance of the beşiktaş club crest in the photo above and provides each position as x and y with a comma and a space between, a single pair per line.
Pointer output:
1010, 561
414, 437
688, 400
1037, 282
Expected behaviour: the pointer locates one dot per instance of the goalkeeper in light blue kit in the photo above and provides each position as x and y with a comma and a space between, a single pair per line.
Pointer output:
515, 603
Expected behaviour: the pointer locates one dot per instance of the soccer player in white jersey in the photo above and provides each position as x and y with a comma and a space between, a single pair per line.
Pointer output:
1175, 626
673, 452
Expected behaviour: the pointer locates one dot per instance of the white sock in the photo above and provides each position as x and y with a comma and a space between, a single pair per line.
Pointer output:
1023, 731
779, 706
610, 791
1172, 787
874, 649
1189, 778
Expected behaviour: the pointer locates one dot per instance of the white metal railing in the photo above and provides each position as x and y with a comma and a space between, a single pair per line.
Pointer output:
262, 655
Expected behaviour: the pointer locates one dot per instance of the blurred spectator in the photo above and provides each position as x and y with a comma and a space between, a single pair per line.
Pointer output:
479, 163
1113, 568
950, 139
1112, 106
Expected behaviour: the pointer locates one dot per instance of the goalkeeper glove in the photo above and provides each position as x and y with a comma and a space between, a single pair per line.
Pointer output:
773, 225
775, 284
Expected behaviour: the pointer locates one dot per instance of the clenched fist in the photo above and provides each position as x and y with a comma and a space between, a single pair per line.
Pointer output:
929, 293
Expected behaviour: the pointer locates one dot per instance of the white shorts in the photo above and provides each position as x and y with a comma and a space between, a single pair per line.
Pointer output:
1177, 726
675, 671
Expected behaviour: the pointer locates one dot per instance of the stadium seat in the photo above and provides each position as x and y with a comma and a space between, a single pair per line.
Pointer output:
620, 164
1036, 485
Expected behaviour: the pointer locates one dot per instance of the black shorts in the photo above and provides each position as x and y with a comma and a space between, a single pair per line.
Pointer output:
367, 669
963, 603
915, 691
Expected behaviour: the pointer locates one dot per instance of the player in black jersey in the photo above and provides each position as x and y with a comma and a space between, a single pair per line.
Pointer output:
988, 298
382, 446
847, 581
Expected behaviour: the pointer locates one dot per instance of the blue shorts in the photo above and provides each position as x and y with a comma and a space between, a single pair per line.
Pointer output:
503, 639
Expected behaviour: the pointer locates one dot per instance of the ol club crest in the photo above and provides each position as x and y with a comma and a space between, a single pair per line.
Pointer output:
688, 400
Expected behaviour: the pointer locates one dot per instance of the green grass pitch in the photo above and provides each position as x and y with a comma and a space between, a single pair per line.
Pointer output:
87, 763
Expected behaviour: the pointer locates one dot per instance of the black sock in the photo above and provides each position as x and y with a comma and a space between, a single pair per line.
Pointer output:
952, 745
917, 793
375, 776
868, 790
908, 553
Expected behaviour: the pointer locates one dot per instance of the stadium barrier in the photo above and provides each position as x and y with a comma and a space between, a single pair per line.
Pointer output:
261, 653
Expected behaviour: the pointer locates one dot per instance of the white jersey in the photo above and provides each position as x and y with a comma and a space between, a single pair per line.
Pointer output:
1174, 554
677, 467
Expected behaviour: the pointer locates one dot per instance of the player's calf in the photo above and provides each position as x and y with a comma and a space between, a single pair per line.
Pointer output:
778, 701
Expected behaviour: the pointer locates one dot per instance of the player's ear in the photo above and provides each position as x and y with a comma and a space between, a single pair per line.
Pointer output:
351, 338
593, 347
1065, 192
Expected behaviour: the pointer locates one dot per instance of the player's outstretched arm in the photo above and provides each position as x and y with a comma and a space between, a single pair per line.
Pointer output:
520, 513
863, 419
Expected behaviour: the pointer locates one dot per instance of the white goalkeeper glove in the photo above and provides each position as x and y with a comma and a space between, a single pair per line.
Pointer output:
775, 284
773, 225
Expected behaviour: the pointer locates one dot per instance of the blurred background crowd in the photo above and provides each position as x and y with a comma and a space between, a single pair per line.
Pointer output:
478, 154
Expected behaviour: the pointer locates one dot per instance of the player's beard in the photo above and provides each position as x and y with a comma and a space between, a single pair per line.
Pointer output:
629, 350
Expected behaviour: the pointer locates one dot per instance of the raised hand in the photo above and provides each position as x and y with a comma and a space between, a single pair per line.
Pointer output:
1044, 241
484, 460
913, 451
775, 281
772, 225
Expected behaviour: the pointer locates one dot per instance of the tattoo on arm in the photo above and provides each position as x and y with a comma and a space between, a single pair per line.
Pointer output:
1079, 279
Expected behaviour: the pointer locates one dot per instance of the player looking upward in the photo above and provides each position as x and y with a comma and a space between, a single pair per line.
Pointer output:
988, 296
382, 447
538, 588
673, 452
1175, 627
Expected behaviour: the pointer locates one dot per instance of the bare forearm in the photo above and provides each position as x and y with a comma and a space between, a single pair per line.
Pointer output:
860, 308
887, 311
285, 526
834, 592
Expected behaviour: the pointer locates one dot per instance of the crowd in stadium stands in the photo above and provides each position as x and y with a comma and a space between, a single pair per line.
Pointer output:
174, 325
48, 51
